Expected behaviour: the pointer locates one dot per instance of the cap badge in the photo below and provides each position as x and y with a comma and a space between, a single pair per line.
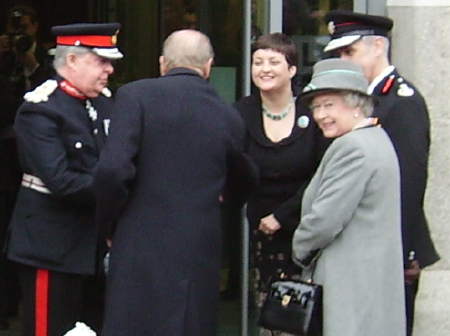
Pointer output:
331, 27
114, 39
405, 90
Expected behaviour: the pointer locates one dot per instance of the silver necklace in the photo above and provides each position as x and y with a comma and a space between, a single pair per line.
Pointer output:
278, 116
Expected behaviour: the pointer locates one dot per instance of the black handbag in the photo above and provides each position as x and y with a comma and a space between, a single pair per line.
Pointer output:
294, 307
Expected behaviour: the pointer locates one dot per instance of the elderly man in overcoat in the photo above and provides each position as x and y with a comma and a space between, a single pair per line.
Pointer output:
173, 146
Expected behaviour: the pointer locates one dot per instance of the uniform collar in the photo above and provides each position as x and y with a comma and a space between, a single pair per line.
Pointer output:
68, 88
71, 90
377, 80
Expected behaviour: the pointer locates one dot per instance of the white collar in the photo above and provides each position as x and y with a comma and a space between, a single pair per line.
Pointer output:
379, 78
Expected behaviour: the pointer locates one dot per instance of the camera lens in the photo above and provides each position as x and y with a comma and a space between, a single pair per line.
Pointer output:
23, 43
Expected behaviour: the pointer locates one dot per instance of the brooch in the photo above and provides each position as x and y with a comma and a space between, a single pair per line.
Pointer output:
303, 122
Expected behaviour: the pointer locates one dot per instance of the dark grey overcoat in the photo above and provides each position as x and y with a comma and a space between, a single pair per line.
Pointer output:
172, 145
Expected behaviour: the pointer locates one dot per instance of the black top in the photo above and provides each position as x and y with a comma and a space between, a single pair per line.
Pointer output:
403, 114
286, 168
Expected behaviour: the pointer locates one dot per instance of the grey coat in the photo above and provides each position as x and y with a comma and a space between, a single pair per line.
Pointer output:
350, 225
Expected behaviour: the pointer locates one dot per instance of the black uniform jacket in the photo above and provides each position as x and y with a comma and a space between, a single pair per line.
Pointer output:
403, 114
173, 142
59, 144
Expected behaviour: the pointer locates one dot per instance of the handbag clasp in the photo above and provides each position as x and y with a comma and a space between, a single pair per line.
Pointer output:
286, 299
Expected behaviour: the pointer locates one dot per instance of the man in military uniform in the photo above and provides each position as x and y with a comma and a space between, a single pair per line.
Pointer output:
60, 131
403, 113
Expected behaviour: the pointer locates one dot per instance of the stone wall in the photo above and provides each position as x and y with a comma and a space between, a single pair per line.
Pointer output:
421, 52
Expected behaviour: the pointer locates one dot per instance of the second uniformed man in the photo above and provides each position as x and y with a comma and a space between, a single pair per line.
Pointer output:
403, 113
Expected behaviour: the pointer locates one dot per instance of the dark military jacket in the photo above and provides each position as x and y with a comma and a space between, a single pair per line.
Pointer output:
59, 143
403, 114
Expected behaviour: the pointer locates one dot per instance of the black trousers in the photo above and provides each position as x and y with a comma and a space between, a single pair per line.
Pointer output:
410, 298
54, 301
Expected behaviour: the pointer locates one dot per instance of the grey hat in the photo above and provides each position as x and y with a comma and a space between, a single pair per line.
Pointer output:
335, 74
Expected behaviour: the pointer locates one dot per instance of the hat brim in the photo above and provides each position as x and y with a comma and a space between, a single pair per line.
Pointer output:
306, 98
110, 53
341, 42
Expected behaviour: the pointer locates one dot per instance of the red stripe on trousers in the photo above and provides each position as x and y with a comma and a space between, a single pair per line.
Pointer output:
41, 307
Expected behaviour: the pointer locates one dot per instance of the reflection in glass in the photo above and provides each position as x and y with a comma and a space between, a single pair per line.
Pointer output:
303, 21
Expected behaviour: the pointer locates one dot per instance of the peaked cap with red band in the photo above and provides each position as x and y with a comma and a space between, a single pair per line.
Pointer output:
347, 27
101, 38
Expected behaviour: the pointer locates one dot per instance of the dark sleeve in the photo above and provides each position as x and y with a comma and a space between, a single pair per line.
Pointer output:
39, 141
289, 209
242, 176
117, 168
292, 207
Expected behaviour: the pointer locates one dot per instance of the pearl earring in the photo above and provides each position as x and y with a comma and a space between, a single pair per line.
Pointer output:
356, 115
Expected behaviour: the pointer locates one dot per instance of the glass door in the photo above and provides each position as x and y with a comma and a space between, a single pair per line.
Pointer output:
304, 22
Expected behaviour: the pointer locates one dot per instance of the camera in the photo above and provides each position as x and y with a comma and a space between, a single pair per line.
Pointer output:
18, 39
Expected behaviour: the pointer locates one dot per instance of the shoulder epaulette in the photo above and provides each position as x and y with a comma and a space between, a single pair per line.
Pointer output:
106, 92
404, 90
42, 92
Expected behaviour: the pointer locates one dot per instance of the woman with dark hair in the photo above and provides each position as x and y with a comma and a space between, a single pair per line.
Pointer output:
286, 145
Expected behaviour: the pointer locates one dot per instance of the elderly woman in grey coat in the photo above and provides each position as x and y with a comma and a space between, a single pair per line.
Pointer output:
349, 235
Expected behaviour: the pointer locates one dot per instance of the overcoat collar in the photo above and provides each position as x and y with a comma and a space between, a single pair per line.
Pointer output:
182, 71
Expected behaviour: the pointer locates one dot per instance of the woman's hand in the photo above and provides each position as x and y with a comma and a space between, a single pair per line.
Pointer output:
269, 224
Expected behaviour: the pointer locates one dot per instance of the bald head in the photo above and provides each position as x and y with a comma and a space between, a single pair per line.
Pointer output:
188, 49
